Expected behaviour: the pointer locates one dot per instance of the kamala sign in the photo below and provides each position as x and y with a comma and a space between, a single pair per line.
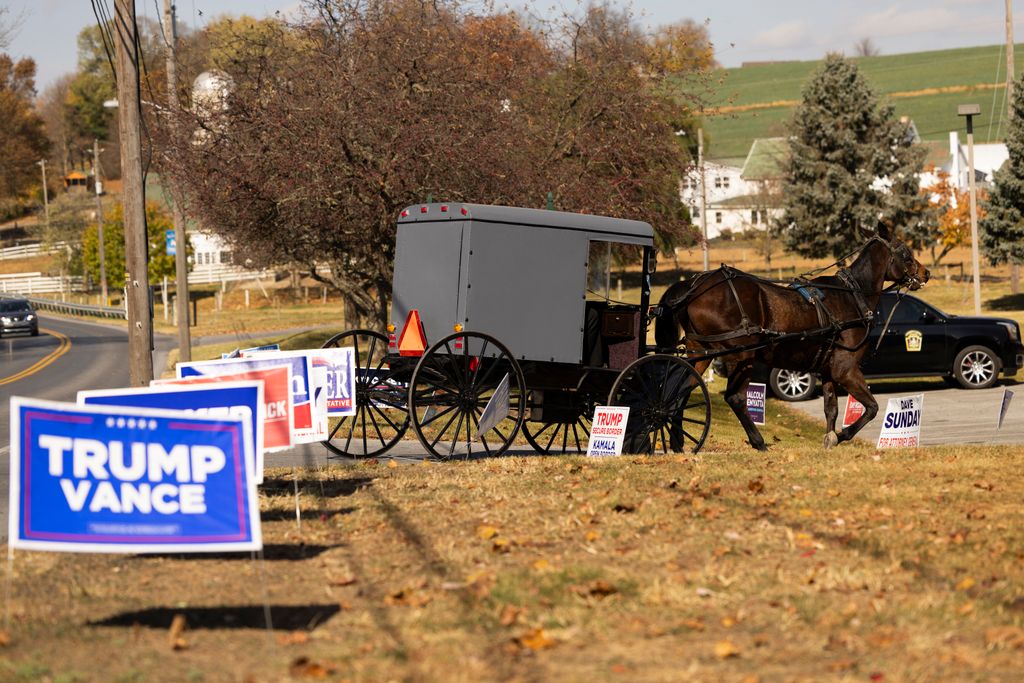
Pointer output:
130, 480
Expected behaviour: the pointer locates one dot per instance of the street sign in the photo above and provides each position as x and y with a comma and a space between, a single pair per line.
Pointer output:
172, 243
130, 480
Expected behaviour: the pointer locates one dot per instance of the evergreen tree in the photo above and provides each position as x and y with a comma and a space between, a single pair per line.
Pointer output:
1001, 231
852, 163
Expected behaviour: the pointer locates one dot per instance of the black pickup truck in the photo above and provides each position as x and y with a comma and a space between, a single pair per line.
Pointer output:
922, 341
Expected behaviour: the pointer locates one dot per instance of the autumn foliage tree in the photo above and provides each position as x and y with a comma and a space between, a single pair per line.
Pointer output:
952, 227
22, 136
330, 127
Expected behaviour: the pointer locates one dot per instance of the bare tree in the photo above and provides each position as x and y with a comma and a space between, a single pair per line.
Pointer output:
9, 26
865, 47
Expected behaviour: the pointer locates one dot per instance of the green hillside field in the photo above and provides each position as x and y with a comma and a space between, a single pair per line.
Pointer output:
757, 100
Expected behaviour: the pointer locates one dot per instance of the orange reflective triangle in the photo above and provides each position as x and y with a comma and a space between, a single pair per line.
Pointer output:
413, 341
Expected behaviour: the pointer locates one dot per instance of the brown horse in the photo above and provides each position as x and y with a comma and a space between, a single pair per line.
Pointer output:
727, 309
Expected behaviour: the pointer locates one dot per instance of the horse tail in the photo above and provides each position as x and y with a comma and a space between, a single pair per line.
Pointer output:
671, 315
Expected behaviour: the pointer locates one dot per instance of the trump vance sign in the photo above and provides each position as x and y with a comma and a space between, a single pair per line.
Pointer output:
130, 480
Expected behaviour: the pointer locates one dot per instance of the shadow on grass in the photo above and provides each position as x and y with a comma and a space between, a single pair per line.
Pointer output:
332, 488
283, 617
275, 552
288, 515
1009, 302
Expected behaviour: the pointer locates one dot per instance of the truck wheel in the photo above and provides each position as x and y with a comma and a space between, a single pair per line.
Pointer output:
976, 367
792, 385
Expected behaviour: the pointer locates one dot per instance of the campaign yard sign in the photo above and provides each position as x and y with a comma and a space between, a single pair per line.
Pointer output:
608, 430
340, 368
130, 480
854, 409
756, 394
901, 426
241, 399
277, 411
307, 426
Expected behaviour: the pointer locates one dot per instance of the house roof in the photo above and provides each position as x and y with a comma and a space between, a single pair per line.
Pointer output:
764, 161
752, 201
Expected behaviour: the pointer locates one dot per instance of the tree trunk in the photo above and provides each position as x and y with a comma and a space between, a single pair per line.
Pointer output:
1015, 278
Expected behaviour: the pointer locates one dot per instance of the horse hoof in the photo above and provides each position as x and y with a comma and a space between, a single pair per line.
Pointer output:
831, 440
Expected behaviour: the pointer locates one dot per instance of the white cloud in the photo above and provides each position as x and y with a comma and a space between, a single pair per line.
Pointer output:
789, 34
896, 21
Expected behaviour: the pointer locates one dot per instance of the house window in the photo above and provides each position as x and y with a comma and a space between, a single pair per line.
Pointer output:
695, 212
753, 216
725, 182
718, 181
225, 257
718, 216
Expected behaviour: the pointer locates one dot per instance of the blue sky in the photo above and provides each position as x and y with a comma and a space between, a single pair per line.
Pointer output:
742, 31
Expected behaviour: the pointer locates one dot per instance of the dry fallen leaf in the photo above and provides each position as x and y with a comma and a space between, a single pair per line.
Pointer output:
501, 545
535, 639
755, 486
510, 615
541, 565
965, 584
5, 638
592, 536
486, 532
293, 638
693, 624
392, 464
304, 668
624, 507
410, 596
1004, 637
178, 625
342, 581
598, 588
724, 649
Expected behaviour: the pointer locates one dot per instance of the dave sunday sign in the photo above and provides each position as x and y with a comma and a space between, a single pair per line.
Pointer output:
901, 426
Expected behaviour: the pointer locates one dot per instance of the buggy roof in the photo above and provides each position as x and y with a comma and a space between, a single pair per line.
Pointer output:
611, 229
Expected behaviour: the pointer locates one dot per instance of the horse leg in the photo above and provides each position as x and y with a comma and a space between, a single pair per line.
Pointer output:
828, 391
736, 397
854, 382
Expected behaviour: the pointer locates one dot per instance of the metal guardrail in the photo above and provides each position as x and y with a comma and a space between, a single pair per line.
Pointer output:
68, 308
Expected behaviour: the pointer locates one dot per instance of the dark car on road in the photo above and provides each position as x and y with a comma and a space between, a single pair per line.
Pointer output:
17, 315
922, 341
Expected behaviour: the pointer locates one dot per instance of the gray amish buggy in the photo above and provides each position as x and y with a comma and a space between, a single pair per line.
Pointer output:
502, 321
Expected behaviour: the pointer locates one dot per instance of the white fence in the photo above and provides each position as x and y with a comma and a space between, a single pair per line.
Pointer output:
32, 283
26, 250
223, 272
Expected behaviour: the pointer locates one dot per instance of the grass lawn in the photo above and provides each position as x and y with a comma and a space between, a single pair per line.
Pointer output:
732, 565
913, 83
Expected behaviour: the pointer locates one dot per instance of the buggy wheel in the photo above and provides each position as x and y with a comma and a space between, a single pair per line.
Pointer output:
568, 436
669, 408
381, 417
451, 394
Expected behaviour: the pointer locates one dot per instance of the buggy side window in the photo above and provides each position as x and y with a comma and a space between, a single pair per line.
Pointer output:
599, 271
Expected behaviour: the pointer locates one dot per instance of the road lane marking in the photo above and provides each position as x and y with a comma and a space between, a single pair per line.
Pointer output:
64, 347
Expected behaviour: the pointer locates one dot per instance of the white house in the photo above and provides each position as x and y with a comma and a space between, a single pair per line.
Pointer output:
988, 158
737, 198
208, 249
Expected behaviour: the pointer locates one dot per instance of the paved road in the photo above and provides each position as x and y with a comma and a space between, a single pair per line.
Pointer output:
948, 416
67, 356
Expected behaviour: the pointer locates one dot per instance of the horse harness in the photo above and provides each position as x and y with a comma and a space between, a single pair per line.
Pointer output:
811, 293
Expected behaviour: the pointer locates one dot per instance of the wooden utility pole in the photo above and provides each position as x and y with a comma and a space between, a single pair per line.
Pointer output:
180, 238
46, 196
703, 198
99, 221
1014, 267
140, 313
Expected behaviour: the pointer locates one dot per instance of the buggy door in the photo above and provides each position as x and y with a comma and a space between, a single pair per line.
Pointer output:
428, 264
